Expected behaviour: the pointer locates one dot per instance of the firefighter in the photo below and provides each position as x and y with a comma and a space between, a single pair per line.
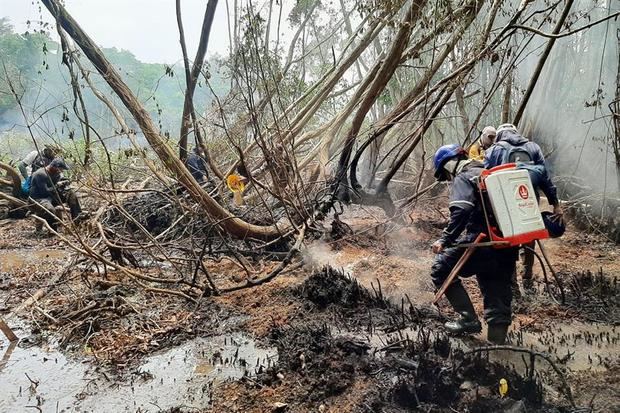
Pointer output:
487, 137
492, 267
510, 146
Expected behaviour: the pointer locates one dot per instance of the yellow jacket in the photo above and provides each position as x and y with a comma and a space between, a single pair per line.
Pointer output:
476, 152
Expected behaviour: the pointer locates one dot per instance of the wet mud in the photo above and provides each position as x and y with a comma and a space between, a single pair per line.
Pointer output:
352, 331
400, 360
183, 376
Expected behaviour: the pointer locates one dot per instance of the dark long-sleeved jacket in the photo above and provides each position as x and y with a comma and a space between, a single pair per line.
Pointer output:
197, 167
494, 156
43, 184
465, 207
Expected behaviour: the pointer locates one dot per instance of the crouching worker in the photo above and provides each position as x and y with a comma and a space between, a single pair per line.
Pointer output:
48, 189
492, 267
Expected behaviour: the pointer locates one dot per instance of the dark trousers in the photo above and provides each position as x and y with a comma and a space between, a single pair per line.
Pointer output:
46, 207
493, 269
527, 260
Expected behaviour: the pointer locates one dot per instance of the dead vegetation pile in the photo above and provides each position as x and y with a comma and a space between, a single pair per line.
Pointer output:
118, 324
588, 296
332, 287
169, 214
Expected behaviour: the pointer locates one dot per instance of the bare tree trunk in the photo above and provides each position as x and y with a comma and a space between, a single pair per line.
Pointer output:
302, 75
460, 104
191, 78
383, 76
347, 24
615, 110
268, 28
507, 97
541, 62
224, 218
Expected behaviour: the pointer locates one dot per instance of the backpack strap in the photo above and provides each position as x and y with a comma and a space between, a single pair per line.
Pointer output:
507, 148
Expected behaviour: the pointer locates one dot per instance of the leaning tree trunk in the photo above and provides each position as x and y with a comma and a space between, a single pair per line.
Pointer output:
224, 218
459, 75
16, 180
407, 104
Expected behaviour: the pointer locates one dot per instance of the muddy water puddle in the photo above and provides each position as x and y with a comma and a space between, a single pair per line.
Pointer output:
11, 260
580, 346
183, 376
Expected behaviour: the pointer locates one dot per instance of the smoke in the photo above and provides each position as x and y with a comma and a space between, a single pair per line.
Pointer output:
568, 113
319, 254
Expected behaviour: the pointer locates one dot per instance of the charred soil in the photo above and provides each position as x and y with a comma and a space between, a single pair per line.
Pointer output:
353, 328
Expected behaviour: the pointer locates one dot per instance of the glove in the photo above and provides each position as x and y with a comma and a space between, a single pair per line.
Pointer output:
63, 185
437, 247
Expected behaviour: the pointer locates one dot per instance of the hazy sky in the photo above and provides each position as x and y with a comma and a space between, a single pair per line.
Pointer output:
147, 28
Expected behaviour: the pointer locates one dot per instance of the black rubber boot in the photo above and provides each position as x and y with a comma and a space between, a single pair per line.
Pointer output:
468, 323
516, 292
497, 333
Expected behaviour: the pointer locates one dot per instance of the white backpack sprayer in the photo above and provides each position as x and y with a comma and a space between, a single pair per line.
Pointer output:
512, 199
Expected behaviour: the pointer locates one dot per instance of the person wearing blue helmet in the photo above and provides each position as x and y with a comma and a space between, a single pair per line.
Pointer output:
492, 267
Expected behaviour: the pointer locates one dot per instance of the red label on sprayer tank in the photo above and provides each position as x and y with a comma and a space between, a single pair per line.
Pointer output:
523, 192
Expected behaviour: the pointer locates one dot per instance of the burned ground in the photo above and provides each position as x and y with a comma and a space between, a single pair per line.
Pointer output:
352, 328
332, 357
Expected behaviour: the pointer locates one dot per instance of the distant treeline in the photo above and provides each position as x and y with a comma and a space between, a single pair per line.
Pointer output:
31, 61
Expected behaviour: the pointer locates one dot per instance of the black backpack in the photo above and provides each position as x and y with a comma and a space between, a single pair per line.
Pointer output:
40, 162
514, 153
517, 154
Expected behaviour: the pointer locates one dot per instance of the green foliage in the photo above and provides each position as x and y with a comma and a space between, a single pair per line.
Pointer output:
34, 67
299, 12
22, 57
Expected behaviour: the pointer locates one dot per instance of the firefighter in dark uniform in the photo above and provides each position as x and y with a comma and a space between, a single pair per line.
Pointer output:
492, 267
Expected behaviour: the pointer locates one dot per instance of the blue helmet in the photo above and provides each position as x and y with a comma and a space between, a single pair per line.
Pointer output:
555, 227
443, 155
